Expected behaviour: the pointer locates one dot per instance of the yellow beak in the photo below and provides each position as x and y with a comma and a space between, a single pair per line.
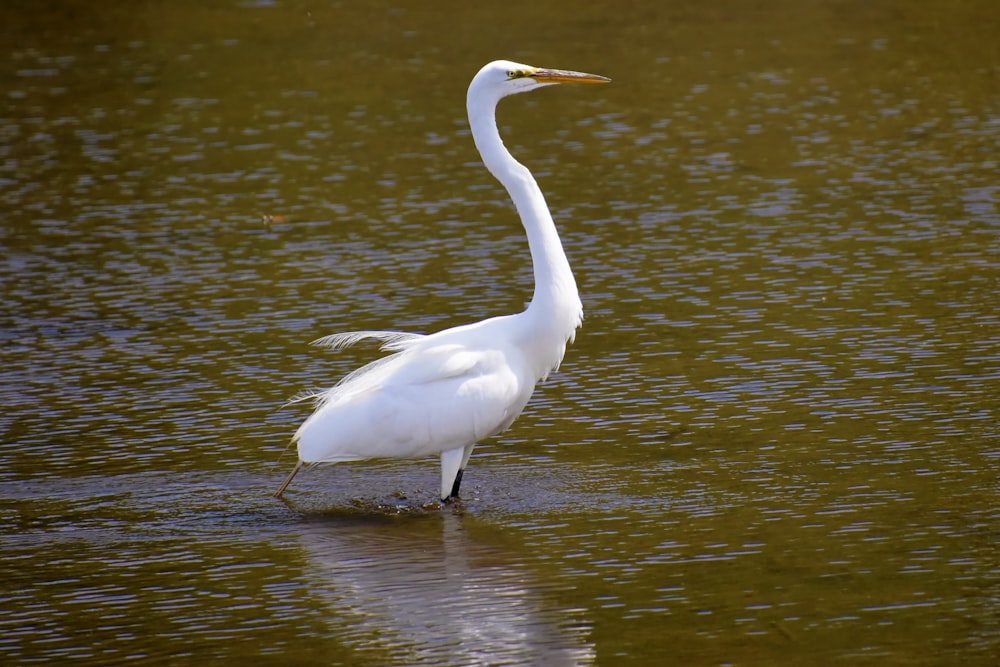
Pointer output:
566, 76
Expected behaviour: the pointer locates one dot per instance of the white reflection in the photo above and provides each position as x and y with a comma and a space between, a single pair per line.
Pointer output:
423, 592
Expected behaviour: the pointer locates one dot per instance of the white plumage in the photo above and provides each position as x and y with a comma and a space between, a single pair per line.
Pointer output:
444, 392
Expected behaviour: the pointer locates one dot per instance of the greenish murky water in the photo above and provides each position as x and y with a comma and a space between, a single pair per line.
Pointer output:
776, 439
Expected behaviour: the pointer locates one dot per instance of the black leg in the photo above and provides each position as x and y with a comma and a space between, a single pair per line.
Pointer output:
458, 483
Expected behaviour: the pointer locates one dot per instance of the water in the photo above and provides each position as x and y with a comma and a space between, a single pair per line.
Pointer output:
775, 440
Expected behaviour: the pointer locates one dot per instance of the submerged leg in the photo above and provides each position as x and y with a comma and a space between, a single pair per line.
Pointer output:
288, 480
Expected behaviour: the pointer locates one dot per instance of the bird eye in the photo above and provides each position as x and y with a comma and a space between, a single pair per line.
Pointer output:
511, 74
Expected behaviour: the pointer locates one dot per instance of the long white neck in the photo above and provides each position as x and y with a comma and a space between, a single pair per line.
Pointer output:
556, 294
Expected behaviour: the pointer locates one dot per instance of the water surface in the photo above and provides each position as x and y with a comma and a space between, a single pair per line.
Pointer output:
775, 440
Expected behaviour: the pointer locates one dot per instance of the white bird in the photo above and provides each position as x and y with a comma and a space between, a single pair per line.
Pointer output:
442, 393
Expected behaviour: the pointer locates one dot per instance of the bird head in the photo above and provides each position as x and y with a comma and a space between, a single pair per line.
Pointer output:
501, 78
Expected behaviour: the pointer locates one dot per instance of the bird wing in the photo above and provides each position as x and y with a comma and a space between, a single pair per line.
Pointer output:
418, 402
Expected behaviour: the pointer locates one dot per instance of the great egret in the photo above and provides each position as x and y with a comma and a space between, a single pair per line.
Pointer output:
444, 392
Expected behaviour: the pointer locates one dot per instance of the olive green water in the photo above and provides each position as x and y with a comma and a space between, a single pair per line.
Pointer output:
775, 440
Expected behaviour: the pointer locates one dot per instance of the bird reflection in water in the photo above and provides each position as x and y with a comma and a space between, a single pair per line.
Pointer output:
423, 591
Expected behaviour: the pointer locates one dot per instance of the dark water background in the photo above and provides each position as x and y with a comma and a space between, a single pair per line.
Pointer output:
775, 440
